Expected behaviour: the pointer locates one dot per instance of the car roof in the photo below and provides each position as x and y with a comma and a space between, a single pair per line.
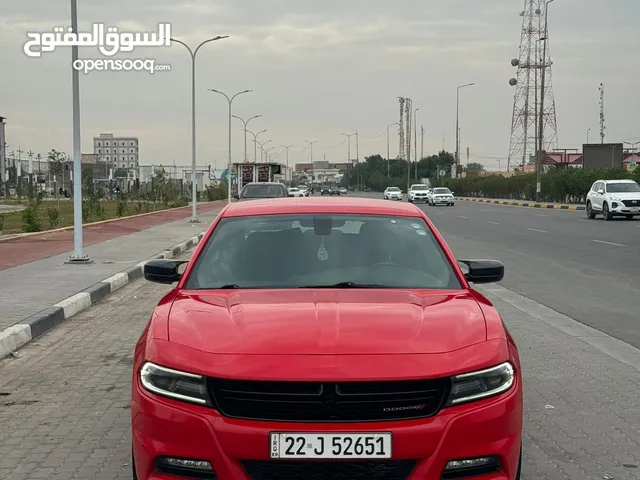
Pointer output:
622, 180
285, 206
263, 183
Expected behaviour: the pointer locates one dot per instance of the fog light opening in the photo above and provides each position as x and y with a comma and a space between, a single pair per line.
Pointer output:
471, 467
185, 467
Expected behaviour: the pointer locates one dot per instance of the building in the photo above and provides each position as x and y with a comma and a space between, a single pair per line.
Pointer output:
121, 152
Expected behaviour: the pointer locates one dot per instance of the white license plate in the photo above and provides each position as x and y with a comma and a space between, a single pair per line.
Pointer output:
635, 209
330, 445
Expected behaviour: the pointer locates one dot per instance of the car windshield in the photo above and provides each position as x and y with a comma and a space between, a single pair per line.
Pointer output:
322, 251
623, 187
419, 187
393, 189
262, 191
441, 191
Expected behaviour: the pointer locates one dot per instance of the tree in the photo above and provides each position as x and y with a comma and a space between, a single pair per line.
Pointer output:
475, 167
56, 162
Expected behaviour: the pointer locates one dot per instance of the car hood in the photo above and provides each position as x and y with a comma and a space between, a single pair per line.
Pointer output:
326, 322
626, 195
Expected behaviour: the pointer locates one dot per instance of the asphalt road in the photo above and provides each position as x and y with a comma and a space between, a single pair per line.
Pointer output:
586, 269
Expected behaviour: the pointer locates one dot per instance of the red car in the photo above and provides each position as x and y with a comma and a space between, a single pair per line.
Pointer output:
325, 339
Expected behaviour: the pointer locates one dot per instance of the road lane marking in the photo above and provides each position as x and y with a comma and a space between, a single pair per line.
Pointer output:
460, 216
536, 230
541, 215
494, 223
609, 243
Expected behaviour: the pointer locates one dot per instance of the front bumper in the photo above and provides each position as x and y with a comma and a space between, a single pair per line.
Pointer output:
619, 208
394, 197
164, 427
442, 200
419, 198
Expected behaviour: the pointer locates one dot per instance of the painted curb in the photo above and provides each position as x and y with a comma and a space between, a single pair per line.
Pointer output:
553, 206
16, 336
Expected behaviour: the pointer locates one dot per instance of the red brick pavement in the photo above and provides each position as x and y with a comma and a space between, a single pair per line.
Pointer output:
21, 250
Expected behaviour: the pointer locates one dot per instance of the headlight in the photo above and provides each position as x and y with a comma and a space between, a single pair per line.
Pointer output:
182, 386
615, 199
482, 384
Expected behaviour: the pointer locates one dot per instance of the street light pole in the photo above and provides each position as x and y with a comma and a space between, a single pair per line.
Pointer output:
245, 132
230, 100
457, 159
78, 256
348, 135
388, 162
255, 143
193, 53
541, 115
287, 147
311, 145
415, 140
262, 144
588, 130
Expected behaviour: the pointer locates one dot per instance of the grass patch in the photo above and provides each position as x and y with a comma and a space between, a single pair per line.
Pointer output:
14, 223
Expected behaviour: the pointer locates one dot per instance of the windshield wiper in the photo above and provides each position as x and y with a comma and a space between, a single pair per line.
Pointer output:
230, 286
347, 285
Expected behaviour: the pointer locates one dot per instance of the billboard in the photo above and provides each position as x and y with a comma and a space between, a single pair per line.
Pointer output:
599, 156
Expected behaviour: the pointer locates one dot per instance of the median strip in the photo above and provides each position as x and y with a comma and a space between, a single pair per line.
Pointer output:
510, 203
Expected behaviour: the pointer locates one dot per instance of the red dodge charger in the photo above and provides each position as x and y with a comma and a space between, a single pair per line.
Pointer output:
325, 339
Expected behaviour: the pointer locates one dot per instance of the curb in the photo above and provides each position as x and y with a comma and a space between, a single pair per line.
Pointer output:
553, 206
16, 336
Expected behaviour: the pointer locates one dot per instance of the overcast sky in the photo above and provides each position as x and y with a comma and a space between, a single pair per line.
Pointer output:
319, 68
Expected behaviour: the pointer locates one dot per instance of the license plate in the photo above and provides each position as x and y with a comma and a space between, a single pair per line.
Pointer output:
635, 209
330, 445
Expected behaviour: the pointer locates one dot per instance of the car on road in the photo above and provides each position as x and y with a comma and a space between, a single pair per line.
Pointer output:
418, 192
325, 190
392, 193
333, 338
343, 191
441, 196
295, 192
305, 191
613, 198
256, 190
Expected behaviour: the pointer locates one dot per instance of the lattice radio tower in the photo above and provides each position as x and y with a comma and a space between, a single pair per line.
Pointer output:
532, 69
408, 126
603, 127
401, 130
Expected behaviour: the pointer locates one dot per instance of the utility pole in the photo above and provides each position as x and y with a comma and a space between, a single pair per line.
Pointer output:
421, 141
457, 160
30, 154
358, 159
542, 91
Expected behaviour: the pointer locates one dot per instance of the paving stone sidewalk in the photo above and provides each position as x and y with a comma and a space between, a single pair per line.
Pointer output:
27, 289
64, 400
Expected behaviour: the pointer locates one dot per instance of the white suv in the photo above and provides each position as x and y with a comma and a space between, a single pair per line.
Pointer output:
418, 193
612, 198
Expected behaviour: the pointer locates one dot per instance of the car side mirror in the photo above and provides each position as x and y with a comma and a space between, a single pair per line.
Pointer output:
163, 271
601, 192
483, 271
236, 196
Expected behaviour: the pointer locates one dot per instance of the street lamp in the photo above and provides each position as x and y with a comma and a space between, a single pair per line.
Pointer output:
541, 115
415, 140
311, 145
266, 152
262, 144
245, 132
348, 135
255, 143
588, 130
458, 124
388, 163
230, 100
286, 148
499, 165
193, 53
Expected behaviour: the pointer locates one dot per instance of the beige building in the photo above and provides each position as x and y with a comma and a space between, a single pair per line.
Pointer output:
120, 152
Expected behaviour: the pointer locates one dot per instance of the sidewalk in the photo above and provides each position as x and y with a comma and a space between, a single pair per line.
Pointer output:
516, 203
25, 248
28, 288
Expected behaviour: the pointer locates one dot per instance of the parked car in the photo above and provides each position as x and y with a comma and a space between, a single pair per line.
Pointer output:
613, 198
343, 191
325, 190
325, 340
392, 193
255, 190
334, 190
295, 192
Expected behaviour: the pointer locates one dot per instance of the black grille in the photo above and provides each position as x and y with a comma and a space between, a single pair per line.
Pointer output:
329, 402
631, 203
323, 470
